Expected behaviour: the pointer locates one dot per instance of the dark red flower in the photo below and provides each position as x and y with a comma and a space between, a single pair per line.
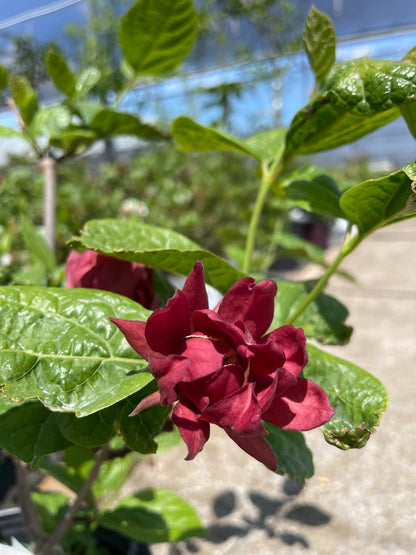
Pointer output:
99, 271
220, 367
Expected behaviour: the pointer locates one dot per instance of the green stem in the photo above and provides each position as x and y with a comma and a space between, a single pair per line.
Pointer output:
266, 182
350, 243
129, 85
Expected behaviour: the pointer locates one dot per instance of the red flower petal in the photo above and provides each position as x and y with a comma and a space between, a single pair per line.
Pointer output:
134, 332
168, 371
251, 302
167, 326
213, 388
238, 413
206, 356
303, 406
194, 288
257, 447
292, 341
194, 432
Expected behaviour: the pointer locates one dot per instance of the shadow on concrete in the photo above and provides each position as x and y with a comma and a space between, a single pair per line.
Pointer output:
274, 516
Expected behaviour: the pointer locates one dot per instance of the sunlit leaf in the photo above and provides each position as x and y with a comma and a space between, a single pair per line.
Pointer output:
319, 40
59, 346
60, 73
324, 319
154, 516
155, 35
357, 397
156, 247
192, 136
380, 202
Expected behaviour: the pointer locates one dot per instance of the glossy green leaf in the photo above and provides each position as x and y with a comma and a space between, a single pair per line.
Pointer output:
319, 40
320, 195
357, 397
380, 202
155, 35
108, 123
267, 145
324, 319
86, 80
50, 121
292, 454
154, 516
59, 346
36, 245
156, 247
60, 73
357, 98
325, 124
24, 96
192, 136
29, 431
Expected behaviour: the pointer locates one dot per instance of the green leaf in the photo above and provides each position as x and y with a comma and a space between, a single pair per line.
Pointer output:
319, 40
323, 125
36, 245
24, 96
87, 80
98, 428
138, 432
87, 110
267, 145
292, 454
112, 476
324, 319
192, 136
59, 346
10, 132
357, 98
50, 121
74, 139
29, 431
60, 73
408, 111
154, 516
155, 35
357, 397
107, 123
50, 508
319, 195
292, 245
380, 202
3, 77
156, 247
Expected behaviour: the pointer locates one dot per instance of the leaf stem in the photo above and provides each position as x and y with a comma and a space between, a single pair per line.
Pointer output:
350, 243
46, 547
268, 177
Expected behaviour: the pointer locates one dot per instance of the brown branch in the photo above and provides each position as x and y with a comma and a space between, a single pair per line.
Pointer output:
29, 513
47, 546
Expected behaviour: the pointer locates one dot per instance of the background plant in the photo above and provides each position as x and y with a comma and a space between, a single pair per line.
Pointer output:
68, 372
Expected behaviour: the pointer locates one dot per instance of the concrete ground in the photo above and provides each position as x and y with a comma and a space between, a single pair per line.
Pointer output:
358, 501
